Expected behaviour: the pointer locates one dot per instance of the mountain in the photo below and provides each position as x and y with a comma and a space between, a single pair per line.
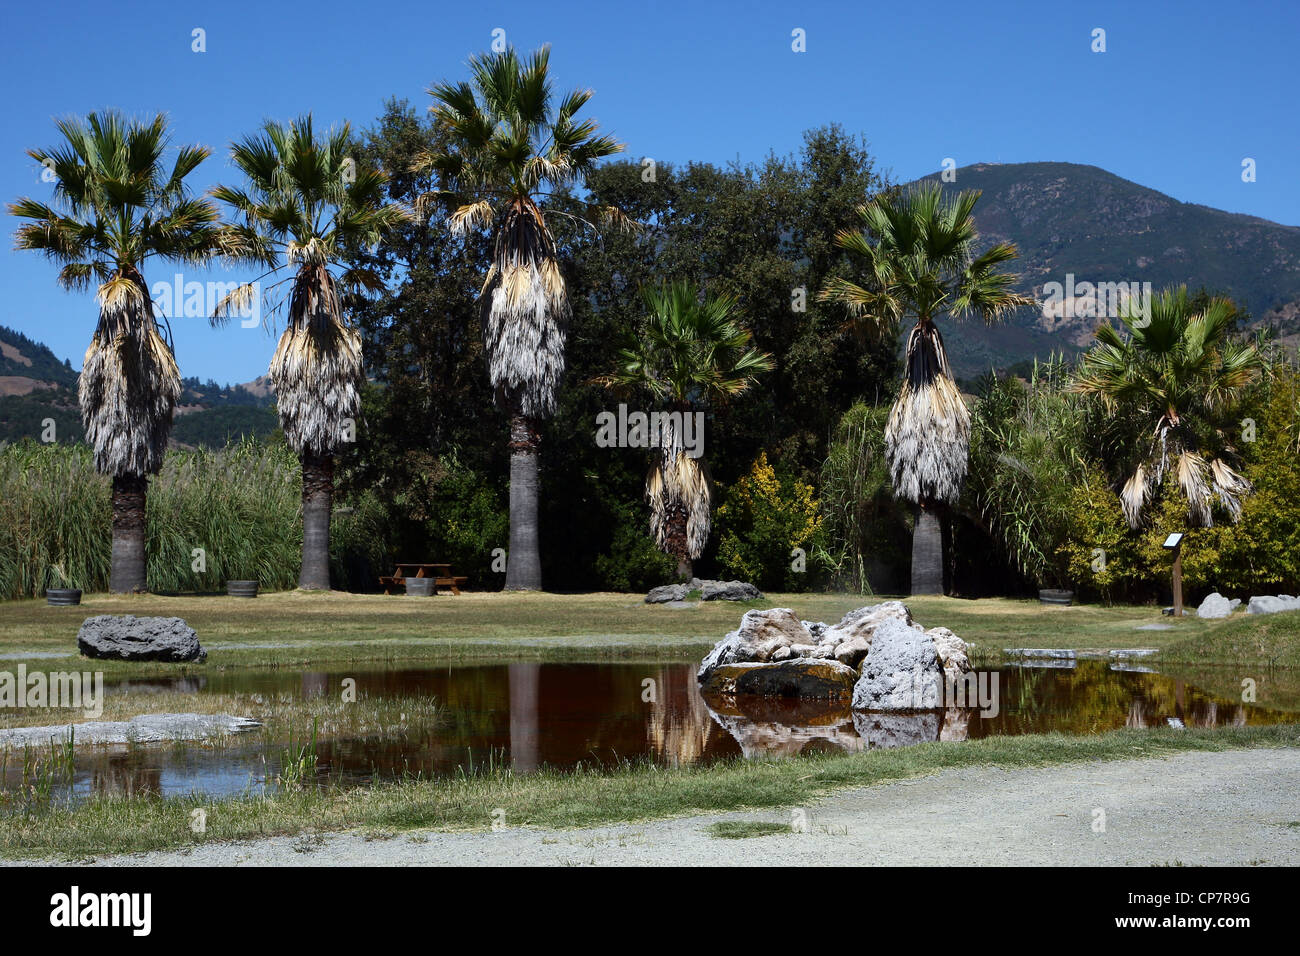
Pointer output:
35, 386
1068, 218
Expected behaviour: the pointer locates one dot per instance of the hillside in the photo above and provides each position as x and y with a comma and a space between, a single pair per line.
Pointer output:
1069, 218
36, 386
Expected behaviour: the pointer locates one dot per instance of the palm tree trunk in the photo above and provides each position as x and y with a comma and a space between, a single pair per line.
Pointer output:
676, 544
129, 568
523, 563
317, 503
927, 550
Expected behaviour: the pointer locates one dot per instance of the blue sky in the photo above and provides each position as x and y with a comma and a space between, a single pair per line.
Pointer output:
1184, 91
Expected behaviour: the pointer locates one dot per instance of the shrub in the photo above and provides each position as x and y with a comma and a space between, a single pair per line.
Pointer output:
761, 522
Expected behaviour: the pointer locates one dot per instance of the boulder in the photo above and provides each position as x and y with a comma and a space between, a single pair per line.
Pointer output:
952, 652
901, 672
1265, 604
799, 677
852, 651
760, 633
862, 623
1216, 605
729, 591
666, 594
130, 638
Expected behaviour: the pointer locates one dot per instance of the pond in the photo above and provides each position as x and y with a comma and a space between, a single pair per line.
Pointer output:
525, 716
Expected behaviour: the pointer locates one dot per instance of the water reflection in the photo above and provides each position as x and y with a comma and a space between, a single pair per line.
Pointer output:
530, 715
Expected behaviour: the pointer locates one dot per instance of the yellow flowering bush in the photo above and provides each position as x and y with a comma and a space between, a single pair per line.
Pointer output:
768, 526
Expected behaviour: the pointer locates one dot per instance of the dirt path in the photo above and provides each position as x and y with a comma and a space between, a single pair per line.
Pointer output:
1235, 807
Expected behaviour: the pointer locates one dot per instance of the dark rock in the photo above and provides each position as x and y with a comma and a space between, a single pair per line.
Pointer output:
131, 638
729, 591
798, 677
666, 594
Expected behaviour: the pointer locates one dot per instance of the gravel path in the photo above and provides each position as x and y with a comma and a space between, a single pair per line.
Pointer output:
1234, 807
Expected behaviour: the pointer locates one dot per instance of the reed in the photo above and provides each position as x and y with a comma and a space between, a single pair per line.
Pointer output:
213, 516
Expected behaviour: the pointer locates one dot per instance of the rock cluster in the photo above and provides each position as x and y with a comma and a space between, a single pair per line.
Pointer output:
875, 655
1216, 605
130, 638
709, 591
1266, 604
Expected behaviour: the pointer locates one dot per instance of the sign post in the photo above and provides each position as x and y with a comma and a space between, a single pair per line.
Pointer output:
1174, 543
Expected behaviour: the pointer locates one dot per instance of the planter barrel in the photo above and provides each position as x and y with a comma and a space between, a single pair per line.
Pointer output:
420, 587
1055, 596
243, 589
62, 597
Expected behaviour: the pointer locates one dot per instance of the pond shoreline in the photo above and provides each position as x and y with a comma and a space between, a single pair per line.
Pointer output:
1114, 812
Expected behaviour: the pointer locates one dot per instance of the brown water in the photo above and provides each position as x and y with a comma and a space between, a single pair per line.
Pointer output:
526, 716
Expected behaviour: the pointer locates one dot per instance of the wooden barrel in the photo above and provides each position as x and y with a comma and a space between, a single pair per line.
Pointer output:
62, 597
243, 589
420, 587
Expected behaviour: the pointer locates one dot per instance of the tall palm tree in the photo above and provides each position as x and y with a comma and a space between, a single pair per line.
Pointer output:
688, 353
306, 201
918, 254
1179, 370
115, 207
508, 150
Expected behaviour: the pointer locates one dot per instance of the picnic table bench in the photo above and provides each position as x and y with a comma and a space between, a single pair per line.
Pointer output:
441, 573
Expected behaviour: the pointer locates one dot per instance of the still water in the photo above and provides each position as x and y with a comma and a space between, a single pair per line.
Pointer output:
526, 716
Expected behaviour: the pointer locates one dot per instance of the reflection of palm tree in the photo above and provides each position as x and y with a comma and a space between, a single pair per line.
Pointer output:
525, 680
680, 726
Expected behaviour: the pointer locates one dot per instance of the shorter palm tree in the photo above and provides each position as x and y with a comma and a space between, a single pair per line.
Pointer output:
1178, 369
307, 201
918, 256
690, 352
116, 207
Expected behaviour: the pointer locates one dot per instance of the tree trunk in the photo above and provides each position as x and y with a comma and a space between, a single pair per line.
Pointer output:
129, 569
676, 545
927, 550
317, 503
523, 563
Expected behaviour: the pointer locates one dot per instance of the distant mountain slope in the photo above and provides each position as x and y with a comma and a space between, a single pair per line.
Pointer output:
23, 358
35, 387
1070, 218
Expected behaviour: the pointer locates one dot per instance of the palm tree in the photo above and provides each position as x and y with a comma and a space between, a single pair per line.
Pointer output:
1178, 370
115, 207
918, 250
689, 352
507, 150
307, 201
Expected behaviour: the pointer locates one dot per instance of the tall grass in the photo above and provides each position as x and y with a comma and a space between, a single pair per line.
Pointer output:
213, 516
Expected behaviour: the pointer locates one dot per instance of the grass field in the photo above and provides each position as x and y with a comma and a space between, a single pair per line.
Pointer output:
291, 629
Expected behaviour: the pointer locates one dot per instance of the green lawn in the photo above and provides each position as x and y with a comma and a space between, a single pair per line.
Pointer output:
320, 628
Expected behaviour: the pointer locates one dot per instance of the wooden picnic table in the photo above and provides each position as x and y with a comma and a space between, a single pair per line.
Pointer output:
441, 573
